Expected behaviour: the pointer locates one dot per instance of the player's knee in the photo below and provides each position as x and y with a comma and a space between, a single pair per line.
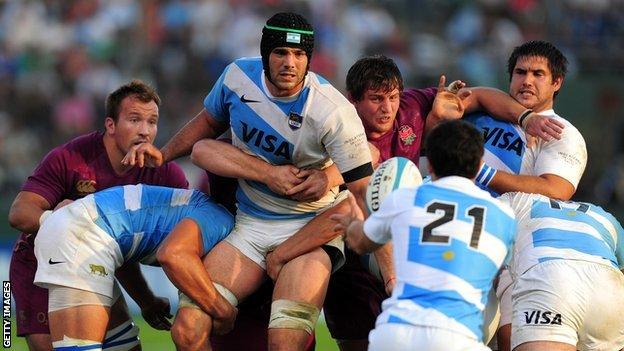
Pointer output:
190, 329
39, 342
289, 314
124, 337
71, 344
315, 258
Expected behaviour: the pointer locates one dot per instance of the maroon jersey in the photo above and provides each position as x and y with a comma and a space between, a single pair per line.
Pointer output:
82, 167
70, 171
406, 135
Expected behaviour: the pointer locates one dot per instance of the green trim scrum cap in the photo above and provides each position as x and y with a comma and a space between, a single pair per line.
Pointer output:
286, 29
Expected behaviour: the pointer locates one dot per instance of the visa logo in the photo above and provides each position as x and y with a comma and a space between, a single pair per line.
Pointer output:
265, 141
502, 139
547, 317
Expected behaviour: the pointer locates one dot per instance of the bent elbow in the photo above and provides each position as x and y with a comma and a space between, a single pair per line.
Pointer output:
199, 152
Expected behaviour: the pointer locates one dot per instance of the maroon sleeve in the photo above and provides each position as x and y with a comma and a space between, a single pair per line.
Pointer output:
421, 99
50, 177
174, 177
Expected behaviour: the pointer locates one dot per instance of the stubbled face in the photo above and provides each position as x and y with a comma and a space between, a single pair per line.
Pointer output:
287, 70
532, 83
378, 110
137, 123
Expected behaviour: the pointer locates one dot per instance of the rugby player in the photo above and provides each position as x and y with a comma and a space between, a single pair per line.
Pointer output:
80, 167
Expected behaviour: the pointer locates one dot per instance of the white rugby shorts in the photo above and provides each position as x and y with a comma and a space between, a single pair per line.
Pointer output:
406, 337
73, 251
569, 301
503, 294
255, 237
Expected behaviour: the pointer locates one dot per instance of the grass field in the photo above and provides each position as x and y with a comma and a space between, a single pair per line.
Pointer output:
155, 340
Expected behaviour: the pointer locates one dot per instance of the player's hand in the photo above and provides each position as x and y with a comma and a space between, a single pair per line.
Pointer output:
282, 178
157, 313
274, 265
449, 102
144, 154
222, 326
344, 221
314, 186
543, 127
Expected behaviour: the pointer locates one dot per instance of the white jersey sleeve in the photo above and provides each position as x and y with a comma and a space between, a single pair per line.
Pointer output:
566, 157
377, 226
345, 140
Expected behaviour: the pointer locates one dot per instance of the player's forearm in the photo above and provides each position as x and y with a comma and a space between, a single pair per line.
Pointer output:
316, 233
181, 144
555, 188
187, 272
131, 278
497, 103
358, 189
333, 175
225, 160
383, 255
26, 212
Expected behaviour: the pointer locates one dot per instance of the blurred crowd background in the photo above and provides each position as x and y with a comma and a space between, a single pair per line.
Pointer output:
59, 59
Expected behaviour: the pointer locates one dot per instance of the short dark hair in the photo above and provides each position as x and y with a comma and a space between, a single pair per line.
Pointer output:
373, 72
136, 88
454, 148
557, 62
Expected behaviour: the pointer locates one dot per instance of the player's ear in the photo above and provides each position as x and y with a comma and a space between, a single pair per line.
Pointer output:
557, 82
109, 125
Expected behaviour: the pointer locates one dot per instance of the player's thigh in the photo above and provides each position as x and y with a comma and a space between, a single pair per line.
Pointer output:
86, 322
39, 342
119, 312
229, 267
549, 302
544, 346
353, 301
304, 278
31, 301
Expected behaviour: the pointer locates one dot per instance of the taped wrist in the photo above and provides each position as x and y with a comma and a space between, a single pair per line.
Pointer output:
485, 175
522, 119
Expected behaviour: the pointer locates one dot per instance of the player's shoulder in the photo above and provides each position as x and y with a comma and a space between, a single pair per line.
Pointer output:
325, 97
83, 147
465, 188
569, 128
247, 63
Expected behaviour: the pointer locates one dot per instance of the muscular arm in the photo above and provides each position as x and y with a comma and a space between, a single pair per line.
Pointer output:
203, 125
502, 106
550, 185
26, 210
180, 257
315, 233
155, 310
226, 160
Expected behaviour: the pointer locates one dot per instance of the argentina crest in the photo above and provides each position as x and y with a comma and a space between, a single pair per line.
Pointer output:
294, 121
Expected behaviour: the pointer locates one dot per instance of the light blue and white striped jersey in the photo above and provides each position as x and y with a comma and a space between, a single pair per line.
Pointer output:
308, 130
139, 217
506, 149
550, 229
450, 239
